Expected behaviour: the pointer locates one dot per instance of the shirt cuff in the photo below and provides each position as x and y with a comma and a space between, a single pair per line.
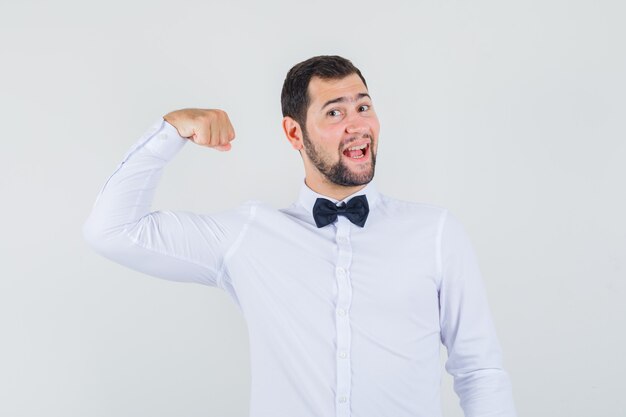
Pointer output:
164, 140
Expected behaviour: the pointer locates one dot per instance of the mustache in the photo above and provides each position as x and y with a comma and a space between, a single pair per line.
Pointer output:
350, 141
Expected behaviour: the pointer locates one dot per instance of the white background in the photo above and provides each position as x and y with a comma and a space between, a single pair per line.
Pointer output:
510, 114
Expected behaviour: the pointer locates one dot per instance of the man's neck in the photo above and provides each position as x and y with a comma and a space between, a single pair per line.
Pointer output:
332, 190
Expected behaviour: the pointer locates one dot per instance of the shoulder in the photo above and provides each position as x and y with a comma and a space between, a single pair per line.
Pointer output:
253, 210
398, 208
241, 213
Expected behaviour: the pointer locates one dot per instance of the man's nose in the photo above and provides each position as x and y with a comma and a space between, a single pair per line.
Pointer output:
356, 125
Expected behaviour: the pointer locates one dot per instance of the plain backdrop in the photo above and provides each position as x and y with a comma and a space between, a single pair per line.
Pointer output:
510, 114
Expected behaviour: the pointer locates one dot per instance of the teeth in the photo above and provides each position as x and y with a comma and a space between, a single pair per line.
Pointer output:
354, 148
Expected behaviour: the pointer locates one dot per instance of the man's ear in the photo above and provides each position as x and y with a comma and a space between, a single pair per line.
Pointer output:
293, 132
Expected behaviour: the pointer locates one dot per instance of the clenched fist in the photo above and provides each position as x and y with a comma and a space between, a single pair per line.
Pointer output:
206, 127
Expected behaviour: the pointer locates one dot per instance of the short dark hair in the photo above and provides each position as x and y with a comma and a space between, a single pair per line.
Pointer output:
295, 98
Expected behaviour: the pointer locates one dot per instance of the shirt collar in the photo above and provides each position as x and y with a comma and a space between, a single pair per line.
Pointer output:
307, 196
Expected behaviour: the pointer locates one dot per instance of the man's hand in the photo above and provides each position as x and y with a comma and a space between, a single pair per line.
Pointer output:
205, 127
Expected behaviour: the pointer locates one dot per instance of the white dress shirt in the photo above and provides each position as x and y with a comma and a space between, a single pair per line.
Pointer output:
342, 320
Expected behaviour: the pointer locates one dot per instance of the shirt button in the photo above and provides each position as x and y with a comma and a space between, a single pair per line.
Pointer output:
342, 399
341, 312
343, 355
341, 272
342, 240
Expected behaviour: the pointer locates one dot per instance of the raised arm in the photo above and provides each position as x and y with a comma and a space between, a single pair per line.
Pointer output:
467, 330
181, 245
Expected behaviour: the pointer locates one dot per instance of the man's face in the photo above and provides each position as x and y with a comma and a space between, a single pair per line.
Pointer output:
341, 118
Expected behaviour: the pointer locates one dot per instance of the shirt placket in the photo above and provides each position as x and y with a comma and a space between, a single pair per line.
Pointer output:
344, 298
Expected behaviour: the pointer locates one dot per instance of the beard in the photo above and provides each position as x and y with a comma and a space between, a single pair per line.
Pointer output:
339, 173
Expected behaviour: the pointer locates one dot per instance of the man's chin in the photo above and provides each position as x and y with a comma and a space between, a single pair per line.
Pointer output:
354, 180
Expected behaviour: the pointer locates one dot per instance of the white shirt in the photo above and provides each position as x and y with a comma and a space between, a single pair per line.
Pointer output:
342, 320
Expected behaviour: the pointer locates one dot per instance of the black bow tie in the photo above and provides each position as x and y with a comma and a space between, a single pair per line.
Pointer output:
325, 211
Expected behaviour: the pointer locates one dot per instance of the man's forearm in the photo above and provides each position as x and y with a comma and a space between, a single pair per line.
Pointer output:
127, 194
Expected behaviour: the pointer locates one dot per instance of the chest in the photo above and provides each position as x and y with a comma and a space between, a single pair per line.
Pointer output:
385, 272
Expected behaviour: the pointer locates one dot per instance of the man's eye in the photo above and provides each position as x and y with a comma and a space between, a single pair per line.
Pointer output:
333, 113
364, 107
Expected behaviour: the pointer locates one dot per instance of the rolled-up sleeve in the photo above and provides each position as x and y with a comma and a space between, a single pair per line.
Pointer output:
467, 330
173, 245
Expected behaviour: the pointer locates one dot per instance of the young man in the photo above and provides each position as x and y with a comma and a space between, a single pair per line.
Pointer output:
347, 293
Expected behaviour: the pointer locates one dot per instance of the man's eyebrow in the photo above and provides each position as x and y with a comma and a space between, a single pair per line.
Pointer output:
344, 99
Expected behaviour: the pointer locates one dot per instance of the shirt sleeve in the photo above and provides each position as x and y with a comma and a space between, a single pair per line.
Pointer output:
173, 245
467, 330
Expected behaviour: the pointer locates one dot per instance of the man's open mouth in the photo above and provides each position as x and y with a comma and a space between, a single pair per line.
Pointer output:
357, 152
